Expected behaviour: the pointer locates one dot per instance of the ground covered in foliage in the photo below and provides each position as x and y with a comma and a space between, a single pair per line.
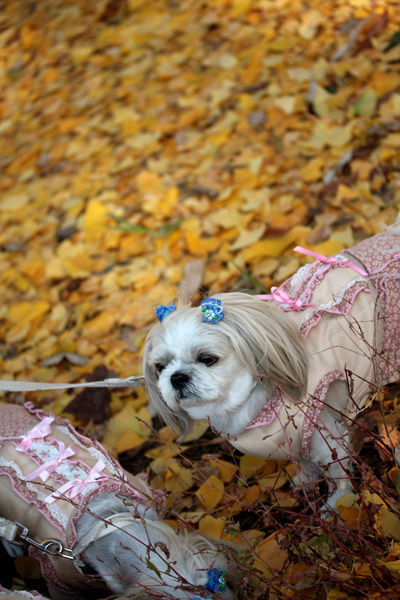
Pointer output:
152, 146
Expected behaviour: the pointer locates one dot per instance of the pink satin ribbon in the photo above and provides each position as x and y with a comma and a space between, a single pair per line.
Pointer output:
283, 298
73, 488
41, 430
44, 471
299, 303
331, 260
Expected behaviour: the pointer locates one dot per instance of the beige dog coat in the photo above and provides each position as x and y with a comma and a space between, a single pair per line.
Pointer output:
347, 310
48, 474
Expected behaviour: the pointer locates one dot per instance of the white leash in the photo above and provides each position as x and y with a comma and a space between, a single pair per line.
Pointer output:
8, 530
33, 386
17, 534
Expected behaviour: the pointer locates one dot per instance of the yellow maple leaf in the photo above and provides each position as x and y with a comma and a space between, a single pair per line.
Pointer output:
200, 427
14, 202
350, 510
270, 556
328, 248
211, 526
100, 325
211, 492
128, 440
246, 178
313, 169
123, 421
248, 238
286, 103
252, 494
200, 246
95, 220
178, 479
328, 135
227, 469
165, 451
26, 312
310, 22
249, 465
169, 202
269, 247
79, 266
344, 193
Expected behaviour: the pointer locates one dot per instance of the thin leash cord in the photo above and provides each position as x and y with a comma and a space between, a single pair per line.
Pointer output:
34, 386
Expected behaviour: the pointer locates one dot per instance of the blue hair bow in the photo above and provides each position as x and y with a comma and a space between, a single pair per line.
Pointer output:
163, 311
212, 309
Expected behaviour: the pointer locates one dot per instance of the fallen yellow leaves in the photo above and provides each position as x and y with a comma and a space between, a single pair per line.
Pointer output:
271, 557
227, 470
269, 247
140, 138
350, 510
127, 429
95, 220
178, 479
212, 527
211, 492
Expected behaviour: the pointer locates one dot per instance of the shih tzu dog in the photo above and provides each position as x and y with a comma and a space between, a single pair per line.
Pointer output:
95, 528
284, 375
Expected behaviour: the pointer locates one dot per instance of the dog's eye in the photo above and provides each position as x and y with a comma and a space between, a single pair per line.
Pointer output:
159, 367
207, 359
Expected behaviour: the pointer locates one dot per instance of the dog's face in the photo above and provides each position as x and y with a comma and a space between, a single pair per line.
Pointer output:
194, 366
198, 370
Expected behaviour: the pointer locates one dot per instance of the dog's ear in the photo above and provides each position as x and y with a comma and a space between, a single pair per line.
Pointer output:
178, 420
267, 342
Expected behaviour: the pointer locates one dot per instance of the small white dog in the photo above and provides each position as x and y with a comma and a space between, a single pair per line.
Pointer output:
283, 375
94, 528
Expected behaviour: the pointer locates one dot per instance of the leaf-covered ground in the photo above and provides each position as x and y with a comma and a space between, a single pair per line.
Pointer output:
152, 146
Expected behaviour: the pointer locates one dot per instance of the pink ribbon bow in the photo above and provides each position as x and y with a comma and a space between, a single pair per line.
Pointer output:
73, 488
41, 430
283, 298
44, 471
331, 260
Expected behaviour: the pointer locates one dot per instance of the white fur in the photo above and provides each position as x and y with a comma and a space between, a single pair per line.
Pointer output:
122, 558
258, 350
229, 393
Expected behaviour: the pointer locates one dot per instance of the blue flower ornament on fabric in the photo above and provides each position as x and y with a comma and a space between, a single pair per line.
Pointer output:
212, 310
163, 311
216, 583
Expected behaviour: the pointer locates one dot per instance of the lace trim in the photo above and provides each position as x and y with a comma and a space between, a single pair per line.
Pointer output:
28, 491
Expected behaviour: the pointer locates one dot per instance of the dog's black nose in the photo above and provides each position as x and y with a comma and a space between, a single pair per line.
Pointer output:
178, 380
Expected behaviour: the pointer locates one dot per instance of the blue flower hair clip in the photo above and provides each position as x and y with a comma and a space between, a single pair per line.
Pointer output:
212, 309
216, 582
163, 311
